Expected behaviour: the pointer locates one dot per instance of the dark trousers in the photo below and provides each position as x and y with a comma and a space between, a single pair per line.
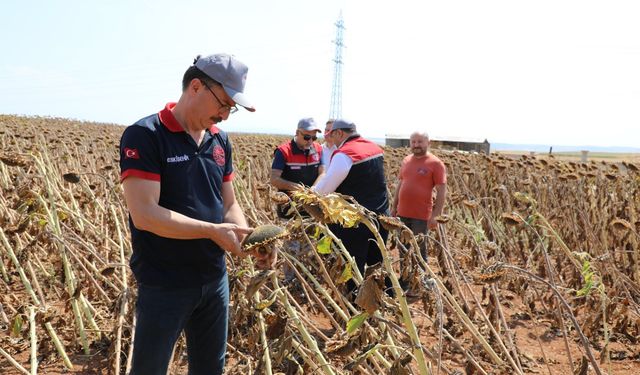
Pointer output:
162, 313
361, 244
418, 227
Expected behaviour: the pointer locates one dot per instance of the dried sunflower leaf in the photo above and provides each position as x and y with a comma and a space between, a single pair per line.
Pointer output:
347, 274
361, 357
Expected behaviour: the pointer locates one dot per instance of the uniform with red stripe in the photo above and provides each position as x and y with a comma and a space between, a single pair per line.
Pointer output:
300, 166
191, 176
365, 181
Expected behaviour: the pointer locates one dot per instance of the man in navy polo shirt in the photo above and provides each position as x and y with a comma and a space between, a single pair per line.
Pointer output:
298, 162
176, 172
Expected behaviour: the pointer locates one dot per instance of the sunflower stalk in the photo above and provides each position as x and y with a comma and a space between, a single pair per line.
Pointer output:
3, 271
494, 292
36, 284
323, 270
552, 276
514, 362
404, 307
18, 266
69, 276
33, 341
318, 287
563, 302
124, 303
451, 300
15, 363
70, 284
308, 339
356, 275
321, 290
266, 357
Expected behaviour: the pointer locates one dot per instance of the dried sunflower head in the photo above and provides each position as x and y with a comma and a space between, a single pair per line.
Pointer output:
71, 177
490, 274
443, 219
14, 160
390, 223
335, 207
470, 203
632, 167
262, 238
621, 224
279, 197
512, 218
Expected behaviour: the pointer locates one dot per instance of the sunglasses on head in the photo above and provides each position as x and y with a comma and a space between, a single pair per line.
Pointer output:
307, 137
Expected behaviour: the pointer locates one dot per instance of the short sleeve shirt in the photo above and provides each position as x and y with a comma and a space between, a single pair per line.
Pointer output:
296, 164
191, 176
419, 176
278, 160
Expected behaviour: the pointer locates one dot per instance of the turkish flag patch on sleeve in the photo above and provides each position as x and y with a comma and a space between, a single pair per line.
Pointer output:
131, 153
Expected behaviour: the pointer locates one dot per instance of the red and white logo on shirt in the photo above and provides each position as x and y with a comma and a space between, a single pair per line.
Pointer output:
218, 155
131, 153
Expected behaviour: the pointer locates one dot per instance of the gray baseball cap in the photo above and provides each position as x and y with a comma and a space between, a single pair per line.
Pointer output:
343, 124
230, 73
308, 124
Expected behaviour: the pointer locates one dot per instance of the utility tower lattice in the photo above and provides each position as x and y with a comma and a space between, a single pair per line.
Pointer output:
336, 91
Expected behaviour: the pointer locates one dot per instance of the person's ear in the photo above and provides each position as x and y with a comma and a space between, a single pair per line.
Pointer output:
195, 85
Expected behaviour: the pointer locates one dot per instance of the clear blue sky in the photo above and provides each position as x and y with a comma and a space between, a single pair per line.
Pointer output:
546, 72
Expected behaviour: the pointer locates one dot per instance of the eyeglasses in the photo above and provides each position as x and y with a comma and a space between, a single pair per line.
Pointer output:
307, 137
224, 107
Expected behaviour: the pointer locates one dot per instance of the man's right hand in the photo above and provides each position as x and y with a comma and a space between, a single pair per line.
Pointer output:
226, 236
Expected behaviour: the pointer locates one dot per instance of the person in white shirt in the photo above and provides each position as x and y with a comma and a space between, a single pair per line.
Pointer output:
357, 170
329, 146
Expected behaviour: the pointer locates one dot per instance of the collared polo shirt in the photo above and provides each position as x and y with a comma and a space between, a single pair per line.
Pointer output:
191, 176
296, 164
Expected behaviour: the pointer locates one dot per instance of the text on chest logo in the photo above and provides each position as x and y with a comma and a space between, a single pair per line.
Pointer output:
178, 159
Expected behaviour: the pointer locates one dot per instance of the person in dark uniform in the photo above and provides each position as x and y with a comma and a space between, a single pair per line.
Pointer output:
297, 162
177, 173
357, 169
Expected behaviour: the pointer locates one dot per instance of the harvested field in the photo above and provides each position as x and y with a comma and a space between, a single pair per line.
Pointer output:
533, 269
